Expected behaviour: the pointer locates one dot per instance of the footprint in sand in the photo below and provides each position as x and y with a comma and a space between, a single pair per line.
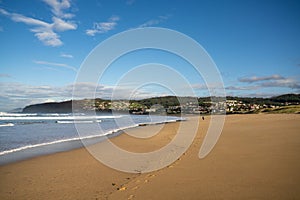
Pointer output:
130, 196
135, 188
137, 181
145, 181
151, 175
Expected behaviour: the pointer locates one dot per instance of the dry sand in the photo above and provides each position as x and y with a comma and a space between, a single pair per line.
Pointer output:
256, 157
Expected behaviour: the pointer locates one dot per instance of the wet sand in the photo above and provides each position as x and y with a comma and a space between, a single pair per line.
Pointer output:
256, 157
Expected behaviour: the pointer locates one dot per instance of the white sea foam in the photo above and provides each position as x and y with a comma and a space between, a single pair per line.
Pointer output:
162, 122
58, 117
7, 124
17, 114
50, 143
83, 137
77, 122
65, 140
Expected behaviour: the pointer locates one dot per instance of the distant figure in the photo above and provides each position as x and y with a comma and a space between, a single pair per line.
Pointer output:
202, 117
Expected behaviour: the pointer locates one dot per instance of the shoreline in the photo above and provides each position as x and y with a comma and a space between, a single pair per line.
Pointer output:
255, 157
35, 150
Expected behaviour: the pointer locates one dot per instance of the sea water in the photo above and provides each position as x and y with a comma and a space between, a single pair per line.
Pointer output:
26, 135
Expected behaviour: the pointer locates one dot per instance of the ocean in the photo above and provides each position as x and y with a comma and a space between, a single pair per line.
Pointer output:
27, 135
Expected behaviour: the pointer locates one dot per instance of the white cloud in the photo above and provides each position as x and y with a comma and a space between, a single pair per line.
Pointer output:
61, 25
64, 55
58, 7
44, 31
243, 87
262, 82
154, 22
103, 27
16, 95
286, 82
48, 37
3, 12
262, 78
55, 64
21, 18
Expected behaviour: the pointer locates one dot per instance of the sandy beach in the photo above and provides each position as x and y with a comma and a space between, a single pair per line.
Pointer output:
256, 157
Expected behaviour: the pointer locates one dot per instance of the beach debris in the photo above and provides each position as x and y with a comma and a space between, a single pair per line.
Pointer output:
122, 188
113, 184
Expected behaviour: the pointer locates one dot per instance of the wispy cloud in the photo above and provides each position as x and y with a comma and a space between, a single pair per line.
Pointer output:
16, 95
199, 86
65, 55
103, 27
55, 64
286, 82
262, 78
44, 31
275, 81
50, 68
243, 87
262, 94
58, 7
130, 2
210, 86
154, 22
5, 76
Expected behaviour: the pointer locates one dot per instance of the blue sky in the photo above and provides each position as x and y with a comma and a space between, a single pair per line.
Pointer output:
255, 44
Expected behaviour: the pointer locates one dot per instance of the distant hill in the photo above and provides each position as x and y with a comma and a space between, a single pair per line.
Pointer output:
276, 100
53, 107
64, 107
102, 105
282, 109
292, 98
